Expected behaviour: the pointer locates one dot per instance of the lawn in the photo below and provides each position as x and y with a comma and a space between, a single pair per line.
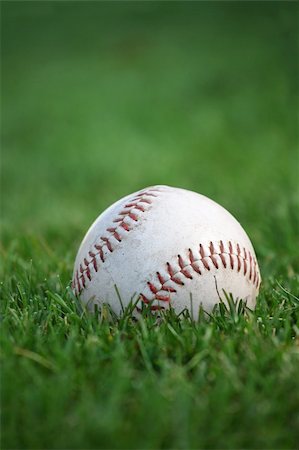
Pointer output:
100, 99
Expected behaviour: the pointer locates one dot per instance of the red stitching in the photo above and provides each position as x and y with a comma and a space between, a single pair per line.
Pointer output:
212, 250
100, 252
88, 273
191, 256
140, 208
245, 266
82, 277
170, 269
222, 257
163, 298
168, 289
131, 205
149, 193
160, 278
78, 282
250, 265
205, 263
133, 216
137, 202
201, 251
125, 226
214, 261
196, 268
239, 263
144, 200
153, 288
221, 247
184, 269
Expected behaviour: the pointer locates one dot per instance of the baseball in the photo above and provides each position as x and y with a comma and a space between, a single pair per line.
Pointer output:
167, 248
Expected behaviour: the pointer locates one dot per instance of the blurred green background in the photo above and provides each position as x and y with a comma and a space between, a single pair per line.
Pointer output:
100, 99
103, 98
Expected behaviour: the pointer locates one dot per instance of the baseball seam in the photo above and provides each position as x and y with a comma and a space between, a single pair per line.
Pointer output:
124, 222
175, 274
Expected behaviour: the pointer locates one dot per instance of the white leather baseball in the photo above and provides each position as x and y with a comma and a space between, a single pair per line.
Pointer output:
167, 247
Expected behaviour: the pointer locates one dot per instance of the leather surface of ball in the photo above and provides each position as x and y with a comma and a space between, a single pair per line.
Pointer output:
165, 247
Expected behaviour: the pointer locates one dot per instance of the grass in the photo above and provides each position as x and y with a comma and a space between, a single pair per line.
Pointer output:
102, 99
